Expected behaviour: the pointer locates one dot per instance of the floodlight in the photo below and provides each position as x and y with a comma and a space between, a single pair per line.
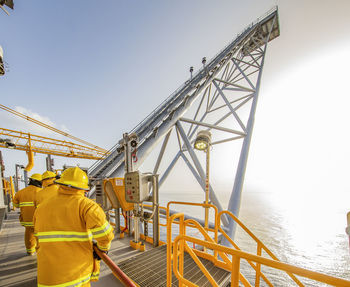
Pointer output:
203, 140
8, 3
8, 142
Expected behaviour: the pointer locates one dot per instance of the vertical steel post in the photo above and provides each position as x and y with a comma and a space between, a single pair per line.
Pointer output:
99, 193
156, 212
49, 163
25, 174
3, 194
129, 168
16, 180
235, 199
206, 225
117, 220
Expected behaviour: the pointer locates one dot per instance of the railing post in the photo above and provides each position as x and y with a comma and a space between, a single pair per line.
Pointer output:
258, 268
182, 249
169, 255
235, 271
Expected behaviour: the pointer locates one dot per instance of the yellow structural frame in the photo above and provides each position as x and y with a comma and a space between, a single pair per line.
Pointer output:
28, 118
40, 144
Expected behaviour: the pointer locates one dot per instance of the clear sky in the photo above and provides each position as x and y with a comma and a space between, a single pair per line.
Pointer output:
96, 69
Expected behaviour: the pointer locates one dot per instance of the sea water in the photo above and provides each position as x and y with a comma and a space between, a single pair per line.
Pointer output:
302, 231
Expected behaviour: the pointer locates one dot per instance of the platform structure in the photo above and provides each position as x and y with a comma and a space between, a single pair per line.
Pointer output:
220, 98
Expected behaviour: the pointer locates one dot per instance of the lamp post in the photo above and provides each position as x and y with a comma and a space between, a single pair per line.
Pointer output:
203, 142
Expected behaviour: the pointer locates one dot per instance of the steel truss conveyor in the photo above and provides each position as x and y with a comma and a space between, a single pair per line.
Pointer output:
213, 99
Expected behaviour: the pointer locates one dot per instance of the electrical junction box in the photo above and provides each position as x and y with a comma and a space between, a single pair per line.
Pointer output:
136, 187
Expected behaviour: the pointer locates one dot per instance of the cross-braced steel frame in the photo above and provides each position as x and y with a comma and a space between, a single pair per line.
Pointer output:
222, 98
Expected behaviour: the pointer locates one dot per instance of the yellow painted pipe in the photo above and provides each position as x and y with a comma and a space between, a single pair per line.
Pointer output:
12, 191
30, 164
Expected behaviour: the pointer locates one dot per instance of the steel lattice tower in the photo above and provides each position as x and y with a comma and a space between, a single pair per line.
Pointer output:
213, 100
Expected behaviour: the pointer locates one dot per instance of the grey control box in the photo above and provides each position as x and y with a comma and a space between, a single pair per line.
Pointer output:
136, 187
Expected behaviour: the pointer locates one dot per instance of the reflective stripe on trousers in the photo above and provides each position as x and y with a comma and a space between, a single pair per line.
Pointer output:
27, 224
29, 203
29, 239
75, 283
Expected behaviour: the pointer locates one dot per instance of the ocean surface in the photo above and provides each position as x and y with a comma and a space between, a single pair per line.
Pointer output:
299, 230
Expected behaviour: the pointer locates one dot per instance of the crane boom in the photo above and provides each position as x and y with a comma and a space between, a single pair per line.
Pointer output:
35, 143
51, 128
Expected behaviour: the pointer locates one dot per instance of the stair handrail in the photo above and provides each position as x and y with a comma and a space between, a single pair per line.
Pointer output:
237, 255
215, 230
170, 252
192, 222
260, 246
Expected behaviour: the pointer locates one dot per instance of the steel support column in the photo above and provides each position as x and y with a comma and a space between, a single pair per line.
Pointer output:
235, 199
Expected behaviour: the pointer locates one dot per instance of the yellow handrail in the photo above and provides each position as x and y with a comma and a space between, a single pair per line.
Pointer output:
169, 254
171, 258
176, 249
260, 246
205, 205
214, 258
237, 255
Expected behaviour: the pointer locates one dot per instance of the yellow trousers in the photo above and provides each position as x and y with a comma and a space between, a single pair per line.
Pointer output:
29, 239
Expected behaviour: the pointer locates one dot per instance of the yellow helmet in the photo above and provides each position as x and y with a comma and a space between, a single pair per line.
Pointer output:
74, 177
36, 176
48, 174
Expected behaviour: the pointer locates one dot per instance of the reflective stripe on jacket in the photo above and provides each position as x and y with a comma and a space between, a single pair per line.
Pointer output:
65, 226
24, 199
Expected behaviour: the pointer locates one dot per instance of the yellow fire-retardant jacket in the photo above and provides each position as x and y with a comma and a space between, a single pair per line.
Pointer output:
24, 199
46, 193
65, 226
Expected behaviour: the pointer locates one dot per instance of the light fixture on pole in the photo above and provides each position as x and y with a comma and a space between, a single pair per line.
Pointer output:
8, 143
2, 66
8, 3
203, 142
191, 71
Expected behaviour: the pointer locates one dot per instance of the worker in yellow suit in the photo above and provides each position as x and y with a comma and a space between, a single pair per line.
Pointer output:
66, 226
24, 199
49, 187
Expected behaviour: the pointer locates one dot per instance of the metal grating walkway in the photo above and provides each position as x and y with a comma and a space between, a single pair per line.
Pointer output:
148, 269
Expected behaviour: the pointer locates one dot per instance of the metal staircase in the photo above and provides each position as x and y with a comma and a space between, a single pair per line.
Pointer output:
149, 270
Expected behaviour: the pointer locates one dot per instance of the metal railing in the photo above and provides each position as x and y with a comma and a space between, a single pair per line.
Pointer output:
177, 247
235, 264
260, 247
